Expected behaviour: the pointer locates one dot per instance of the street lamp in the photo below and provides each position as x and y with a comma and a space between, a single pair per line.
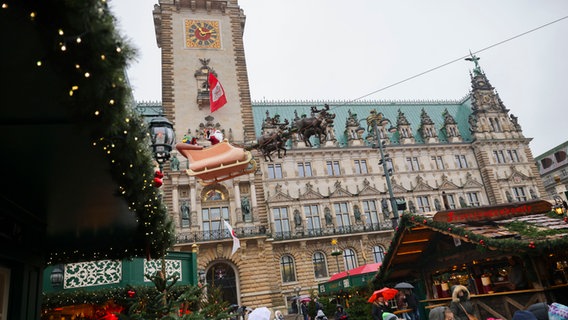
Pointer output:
162, 136
201, 274
384, 160
56, 276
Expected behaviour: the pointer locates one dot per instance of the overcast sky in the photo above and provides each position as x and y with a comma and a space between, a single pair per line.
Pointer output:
329, 50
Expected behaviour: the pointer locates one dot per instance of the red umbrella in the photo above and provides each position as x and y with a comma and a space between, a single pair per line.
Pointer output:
387, 293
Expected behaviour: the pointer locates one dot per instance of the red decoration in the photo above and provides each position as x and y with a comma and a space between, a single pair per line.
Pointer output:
158, 174
566, 219
425, 221
481, 242
158, 182
531, 245
449, 229
131, 293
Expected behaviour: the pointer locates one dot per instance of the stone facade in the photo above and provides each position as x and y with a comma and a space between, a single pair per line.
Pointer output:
441, 154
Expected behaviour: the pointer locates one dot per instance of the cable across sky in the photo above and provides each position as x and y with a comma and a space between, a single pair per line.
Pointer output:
457, 59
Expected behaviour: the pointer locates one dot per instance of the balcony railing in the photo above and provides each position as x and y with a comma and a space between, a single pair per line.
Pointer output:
202, 236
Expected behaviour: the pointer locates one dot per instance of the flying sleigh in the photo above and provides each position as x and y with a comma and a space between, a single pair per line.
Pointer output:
217, 163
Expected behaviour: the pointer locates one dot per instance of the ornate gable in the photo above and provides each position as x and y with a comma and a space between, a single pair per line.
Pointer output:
339, 191
447, 184
516, 176
368, 190
421, 185
310, 193
397, 187
280, 197
471, 183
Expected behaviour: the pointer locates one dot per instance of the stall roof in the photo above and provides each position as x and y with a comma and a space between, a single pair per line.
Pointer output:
528, 227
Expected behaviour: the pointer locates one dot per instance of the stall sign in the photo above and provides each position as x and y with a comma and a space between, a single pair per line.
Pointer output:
493, 213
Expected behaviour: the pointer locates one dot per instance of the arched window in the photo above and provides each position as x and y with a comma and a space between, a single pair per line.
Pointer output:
287, 269
222, 275
378, 253
320, 267
350, 259
214, 209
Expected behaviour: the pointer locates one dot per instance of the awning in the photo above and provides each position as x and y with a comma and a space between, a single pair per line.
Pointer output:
355, 277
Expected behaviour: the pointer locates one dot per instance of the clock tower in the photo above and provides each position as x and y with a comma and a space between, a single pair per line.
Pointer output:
198, 38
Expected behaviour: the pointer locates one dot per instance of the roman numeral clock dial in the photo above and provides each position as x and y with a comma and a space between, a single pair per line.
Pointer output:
202, 34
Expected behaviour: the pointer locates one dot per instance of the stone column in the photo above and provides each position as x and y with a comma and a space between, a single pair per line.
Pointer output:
239, 211
195, 218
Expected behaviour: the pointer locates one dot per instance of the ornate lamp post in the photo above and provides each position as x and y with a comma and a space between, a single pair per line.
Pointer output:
162, 136
383, 161
56, 276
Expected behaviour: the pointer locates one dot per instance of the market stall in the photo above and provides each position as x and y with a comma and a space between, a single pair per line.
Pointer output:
509, 256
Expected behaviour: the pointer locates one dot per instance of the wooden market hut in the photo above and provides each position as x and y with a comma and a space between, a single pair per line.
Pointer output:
479, 248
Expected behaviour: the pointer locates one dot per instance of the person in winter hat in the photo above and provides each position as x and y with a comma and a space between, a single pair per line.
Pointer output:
340, 314
460, 303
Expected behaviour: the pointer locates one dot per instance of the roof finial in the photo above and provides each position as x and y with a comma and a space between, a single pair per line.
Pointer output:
474, 58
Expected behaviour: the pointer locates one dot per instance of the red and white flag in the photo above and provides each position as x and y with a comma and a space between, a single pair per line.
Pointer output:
236, 241
217, 97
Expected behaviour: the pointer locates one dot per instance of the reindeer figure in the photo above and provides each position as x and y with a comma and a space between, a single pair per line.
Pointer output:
316, 125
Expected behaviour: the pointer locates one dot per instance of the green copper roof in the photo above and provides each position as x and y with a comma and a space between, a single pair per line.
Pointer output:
460, 110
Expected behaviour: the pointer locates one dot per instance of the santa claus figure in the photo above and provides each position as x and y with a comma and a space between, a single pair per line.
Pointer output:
215, 137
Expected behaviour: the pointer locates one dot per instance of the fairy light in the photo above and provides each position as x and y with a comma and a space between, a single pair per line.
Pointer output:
4, 6
39, 63
32, 16
87, 74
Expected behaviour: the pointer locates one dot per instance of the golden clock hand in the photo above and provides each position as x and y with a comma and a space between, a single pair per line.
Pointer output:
202, 32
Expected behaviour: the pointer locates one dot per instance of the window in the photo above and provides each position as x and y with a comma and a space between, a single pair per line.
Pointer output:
312, 218
451, 201
287, 269
304, 169
350, 259
499, 156
341, 215
281, 221
360, 166
423, 204
213, 222
378, 253
439, 163
461, 161
520, 194
275, 171
412, 164
370, 211
184, 212
333, 168
473, 199
513, 155
320, 267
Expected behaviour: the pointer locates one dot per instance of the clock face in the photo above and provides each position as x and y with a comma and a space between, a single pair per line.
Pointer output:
202, 34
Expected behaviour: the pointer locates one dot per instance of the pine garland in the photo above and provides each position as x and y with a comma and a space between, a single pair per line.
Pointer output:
81, 45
